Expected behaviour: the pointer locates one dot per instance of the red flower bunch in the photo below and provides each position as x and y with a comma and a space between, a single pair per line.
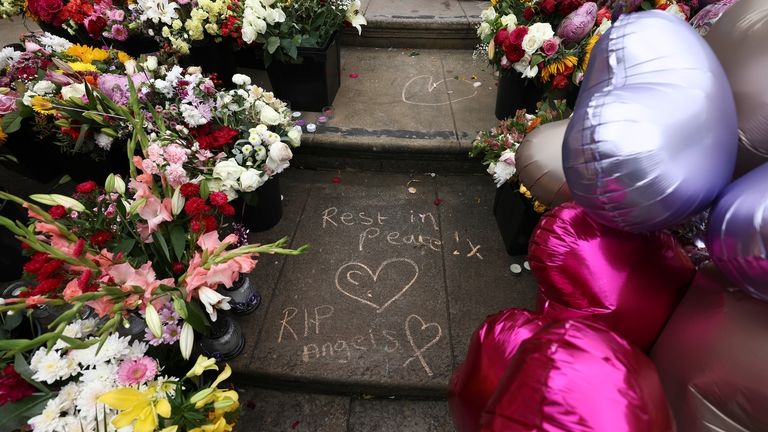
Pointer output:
511, 42
214, 138
46, 10
232, 27
47, 272
86, 187
201, 212
77, 11
12, 386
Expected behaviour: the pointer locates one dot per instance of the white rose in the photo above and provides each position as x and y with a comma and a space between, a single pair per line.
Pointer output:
542, 30
269, 116
280, 152
484, 30
250, 180
248, 34
532, 42
228, 170
294, 135
241, 80
73, 91
228, 187
130, 67
509, 21
44, 87
488, 14
524, 67
27, 98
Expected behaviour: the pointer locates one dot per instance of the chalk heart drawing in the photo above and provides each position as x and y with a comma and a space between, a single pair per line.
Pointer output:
420, 90
380, 288
416, 329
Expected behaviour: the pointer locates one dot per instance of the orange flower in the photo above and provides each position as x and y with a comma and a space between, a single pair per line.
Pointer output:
533, 124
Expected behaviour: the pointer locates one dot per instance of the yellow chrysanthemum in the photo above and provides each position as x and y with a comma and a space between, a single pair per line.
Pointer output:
87, 54
43, 105
82, 67
539, 207
588, 50
494, 2
123, 57
524, 190
557, 67
3, 136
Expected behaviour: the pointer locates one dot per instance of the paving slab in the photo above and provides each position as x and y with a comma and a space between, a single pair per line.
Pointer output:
387, 294
274, 411
10, 31
469, 301
399, 415
415, 10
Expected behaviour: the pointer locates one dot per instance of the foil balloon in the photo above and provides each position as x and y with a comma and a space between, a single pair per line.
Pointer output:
629, 282
711, 358
739, 40
737, 233
539, 161
492, 347
653, 138
577, 376
706, 17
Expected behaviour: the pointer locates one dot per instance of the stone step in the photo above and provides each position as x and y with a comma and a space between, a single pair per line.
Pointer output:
401, 270
447, 24
413, 110
268, 410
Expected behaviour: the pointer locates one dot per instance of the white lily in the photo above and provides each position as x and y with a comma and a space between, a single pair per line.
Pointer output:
355, 18
212, 301
186, 340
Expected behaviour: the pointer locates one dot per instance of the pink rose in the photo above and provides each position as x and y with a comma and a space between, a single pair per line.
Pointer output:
550, 46
7, 103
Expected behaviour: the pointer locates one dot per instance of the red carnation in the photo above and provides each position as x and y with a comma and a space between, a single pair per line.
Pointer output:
86, 187
210, 222
560, 82
82, 280
514, 52
36, 262
214, 139
218, 198
12, 386
100, 238
46, 286
516, 36
79, 248
49, 268
528, 13
227, 210
57, 211
195, 206
501, 37
73, 133
603, 14
189, 190
548, 6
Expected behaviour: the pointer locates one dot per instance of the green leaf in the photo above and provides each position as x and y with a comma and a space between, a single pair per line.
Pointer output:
178, 241
12, 122
163, 245
204, 190
125, 246
22, 368
181, 307
197, 319
272, 44
12, 321
81, 138
14, 416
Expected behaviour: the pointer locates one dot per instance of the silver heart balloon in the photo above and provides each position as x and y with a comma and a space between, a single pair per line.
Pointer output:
653, 138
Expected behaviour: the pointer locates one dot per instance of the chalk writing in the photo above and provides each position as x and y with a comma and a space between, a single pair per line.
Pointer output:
408, 95
349, 219
311, 322
418, 352
357, 281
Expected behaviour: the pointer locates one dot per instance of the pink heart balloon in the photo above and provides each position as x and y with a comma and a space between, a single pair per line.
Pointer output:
491, 348
578, 376
630, 282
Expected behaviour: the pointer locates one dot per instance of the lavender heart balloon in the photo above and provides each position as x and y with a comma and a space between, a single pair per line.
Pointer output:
653, 139
737, 236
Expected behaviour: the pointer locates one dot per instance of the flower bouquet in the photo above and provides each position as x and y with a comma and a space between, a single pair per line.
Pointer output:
516, 211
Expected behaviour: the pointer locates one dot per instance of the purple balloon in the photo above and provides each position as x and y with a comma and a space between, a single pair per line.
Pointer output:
737, 236
653, 139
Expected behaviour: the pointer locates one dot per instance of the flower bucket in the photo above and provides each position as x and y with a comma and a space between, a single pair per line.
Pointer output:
311, 84
515, 93
515, 218
11, 259
82, 167
133, 46
57, 31
39, 158
264, 207
244, 298
226, 340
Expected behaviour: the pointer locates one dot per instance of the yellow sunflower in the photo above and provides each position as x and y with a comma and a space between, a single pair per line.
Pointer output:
87, 54
82, 67
557, 67
43, 105
588, 50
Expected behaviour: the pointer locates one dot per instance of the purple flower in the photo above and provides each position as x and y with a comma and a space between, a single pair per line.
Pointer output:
119, 32
171, 333
151, 338
7, 103
116, 86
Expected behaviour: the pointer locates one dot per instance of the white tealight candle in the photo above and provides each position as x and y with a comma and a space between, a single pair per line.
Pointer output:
311, 127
